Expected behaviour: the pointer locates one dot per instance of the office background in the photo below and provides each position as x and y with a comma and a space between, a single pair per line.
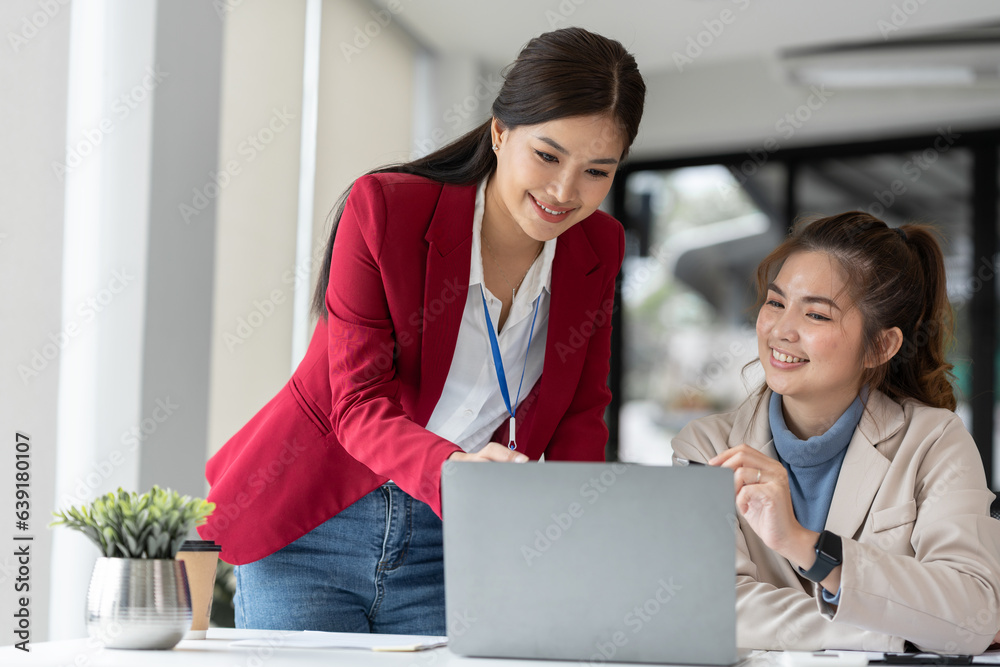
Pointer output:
169, 168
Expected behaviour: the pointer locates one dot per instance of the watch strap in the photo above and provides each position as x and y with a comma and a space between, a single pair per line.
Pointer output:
825, 561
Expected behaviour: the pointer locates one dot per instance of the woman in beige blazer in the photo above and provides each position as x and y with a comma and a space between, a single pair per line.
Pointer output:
863, 506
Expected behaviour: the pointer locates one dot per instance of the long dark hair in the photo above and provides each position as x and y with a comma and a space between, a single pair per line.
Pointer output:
896, 278
560, 74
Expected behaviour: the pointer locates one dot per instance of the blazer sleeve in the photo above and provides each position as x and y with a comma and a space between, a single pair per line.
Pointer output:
768, 616
945, 597
366, 414
582, 434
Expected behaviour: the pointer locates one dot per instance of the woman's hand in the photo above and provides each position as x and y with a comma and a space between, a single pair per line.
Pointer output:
493, 451
763, 498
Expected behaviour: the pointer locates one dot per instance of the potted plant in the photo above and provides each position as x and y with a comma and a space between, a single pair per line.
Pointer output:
138, 596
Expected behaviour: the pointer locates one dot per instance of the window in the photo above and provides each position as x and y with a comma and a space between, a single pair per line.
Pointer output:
697, 229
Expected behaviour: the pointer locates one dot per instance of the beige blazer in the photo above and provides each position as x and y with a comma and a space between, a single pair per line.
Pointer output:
921, 552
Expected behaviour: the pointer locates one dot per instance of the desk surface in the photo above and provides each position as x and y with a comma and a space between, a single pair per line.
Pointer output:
216, 651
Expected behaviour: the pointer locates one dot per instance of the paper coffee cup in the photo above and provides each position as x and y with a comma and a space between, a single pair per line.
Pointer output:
200, 560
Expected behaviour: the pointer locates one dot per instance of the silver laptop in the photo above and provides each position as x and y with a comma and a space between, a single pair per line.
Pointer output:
590, 561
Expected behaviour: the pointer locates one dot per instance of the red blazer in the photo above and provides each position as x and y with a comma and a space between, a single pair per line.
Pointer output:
353, 414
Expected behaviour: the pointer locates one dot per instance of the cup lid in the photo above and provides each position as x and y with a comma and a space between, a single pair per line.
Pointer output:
200, 545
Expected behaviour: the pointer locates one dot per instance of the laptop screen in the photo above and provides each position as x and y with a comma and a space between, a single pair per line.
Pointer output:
590, 561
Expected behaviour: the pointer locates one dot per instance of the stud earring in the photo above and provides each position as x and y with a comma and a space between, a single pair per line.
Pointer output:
495, 147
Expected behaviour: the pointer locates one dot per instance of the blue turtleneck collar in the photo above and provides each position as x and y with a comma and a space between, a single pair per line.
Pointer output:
813, 465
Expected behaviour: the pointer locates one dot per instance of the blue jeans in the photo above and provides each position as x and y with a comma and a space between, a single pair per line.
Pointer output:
375, 567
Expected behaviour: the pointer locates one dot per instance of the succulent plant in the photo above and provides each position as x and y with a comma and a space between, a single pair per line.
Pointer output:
127, 525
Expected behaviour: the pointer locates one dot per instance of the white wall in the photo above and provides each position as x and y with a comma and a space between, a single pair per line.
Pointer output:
365, 109
365, 104
255, 241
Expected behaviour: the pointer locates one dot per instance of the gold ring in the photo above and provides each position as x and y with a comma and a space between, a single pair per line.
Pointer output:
758, 476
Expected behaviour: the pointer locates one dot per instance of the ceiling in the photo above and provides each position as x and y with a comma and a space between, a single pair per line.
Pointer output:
656, 31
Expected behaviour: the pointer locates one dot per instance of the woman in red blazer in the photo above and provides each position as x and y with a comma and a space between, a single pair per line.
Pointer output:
328, 500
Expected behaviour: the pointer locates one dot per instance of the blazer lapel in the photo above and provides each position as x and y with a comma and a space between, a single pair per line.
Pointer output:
752, 427
864, 466
576, 287
446, 287
575, 284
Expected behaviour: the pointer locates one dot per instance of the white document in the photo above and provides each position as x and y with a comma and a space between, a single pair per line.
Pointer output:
987, 658
342, 640
827, 658
853, 658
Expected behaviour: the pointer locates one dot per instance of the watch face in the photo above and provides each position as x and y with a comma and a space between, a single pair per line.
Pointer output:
830, 545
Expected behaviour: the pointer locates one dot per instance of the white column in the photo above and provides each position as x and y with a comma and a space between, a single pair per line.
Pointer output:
34, 61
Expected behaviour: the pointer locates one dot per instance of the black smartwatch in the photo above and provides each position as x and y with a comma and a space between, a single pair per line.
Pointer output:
829, 554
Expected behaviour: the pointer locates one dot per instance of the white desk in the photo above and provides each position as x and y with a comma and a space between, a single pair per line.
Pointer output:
217, 652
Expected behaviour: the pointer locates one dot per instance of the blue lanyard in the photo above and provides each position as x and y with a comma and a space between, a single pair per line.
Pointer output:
498, 362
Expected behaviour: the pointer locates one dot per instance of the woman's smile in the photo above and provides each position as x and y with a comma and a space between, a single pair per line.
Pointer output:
550, 213
782, 359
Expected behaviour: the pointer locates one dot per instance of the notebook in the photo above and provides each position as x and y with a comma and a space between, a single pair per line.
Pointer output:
590, 561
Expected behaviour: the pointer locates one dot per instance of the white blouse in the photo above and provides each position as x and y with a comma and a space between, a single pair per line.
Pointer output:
471, 406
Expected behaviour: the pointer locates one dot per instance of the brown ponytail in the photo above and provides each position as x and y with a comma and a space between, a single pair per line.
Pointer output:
896, 278
920, 370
